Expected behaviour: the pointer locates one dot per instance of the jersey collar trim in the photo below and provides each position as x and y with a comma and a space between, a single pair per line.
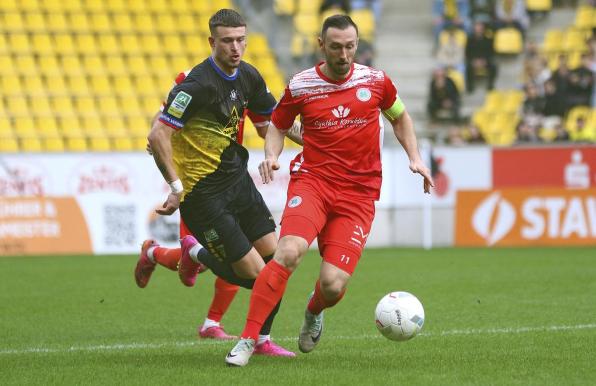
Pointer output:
329, 80
220, 71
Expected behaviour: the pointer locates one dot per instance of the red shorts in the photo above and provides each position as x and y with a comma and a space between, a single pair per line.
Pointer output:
184, 231
341, 223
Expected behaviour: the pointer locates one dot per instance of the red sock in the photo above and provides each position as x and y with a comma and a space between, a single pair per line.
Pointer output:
222, 298
318, 302
167, 257
266, 293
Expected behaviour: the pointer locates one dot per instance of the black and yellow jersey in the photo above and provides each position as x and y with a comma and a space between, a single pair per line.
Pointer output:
206, 109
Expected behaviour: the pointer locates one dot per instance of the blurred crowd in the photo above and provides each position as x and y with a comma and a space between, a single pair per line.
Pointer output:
467, 54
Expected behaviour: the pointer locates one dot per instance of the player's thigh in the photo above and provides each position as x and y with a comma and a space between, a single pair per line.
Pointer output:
342, 240
249, 266
217, 229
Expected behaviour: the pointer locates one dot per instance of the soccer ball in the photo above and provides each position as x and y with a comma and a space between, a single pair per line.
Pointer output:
399, 316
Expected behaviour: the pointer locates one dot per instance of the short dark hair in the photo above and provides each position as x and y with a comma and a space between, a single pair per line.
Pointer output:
340, 22
225, 18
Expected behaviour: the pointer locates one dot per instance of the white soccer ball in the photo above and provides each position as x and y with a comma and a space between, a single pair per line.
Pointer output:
399, 316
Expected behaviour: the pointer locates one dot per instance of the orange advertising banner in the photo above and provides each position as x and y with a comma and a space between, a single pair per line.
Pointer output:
42, 225
523, 217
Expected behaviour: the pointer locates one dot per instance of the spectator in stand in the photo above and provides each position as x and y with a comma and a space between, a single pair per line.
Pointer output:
592, 52
373, 5
554, 101
480, 57
534, 102
535, 66
562, 134
451, 13
444, 99
475, 135
451, 54
365, 53
527, 133
512, 13
581, 83
483, 11
560, 78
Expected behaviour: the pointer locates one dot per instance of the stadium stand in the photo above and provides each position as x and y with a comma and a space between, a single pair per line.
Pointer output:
88, 75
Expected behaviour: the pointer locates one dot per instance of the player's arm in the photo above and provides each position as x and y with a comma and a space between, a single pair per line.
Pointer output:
294, 133
160, 143
403, 128
274, 144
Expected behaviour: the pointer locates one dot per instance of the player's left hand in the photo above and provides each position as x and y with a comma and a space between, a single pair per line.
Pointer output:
419, 167
170, 205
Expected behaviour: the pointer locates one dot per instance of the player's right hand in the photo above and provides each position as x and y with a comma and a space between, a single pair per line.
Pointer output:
170, 205
266, 169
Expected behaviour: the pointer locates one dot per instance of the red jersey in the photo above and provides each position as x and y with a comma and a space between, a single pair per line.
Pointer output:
342, 126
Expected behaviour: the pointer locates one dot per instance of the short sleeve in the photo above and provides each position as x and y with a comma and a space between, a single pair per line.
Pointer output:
261, 101
389, 93
285, 112
182, 103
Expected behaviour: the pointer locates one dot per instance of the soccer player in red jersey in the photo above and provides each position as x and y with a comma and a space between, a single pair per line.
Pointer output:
334, 181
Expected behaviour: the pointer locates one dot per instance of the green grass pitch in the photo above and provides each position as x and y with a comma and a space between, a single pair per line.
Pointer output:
493, 317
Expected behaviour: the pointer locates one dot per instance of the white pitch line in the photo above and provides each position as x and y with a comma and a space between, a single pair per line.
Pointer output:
150, 346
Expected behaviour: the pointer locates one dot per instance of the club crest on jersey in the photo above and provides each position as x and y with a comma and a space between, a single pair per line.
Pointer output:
340, 112
363, 94
233, 95
294, 201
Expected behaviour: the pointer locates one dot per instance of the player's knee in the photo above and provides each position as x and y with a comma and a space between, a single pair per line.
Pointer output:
332, 288
288, 256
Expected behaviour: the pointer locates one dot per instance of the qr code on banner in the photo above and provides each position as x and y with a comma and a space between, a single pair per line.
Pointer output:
119, 224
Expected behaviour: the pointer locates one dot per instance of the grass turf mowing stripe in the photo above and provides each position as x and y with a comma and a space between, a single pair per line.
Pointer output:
147, 346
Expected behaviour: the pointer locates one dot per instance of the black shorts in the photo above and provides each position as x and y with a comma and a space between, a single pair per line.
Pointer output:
227, 223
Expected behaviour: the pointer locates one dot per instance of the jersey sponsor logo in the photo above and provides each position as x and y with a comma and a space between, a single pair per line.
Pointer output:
340, 112
312, 98
294, 201
179, 104
363, 94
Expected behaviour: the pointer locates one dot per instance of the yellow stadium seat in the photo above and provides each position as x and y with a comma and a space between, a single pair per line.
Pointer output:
139, 143
100, 85
365, 20
159, 65
76, 143
122, 144
115, 127
481, 118
42, 44
35, 22
62, 106
93, 126
137, 6
70, 126
86, 43
139, 124
571, 122
508, 41
25, 64
19, 43
31, 145
85, 106
584, 17
24, 127
136, 64
116, 5
553, 41
7, 65
172, 44
56, 22
8, 5
307, 24
539, 5
108, 44
130, 106
71, 64
574, 59
100, 22
46, 126
13, 21
123, 86
9, 145
308, 6
97, 6
5, 126
180, 63
55, 85
48, 65
186, 24
512, 101
122, 22
33, 86
99, 144
150, 105
41, 107
144, 23
79, 22
11, 85
284, 7
78, 85
109, 106
460, 37
17, 106
64, 44
94, 65
115, 65
494, 101
53, 144
165, 22
144, 85
53, 5
574, 40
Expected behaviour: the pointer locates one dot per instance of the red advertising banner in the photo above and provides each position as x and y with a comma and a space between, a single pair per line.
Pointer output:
524, 217
560, 167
